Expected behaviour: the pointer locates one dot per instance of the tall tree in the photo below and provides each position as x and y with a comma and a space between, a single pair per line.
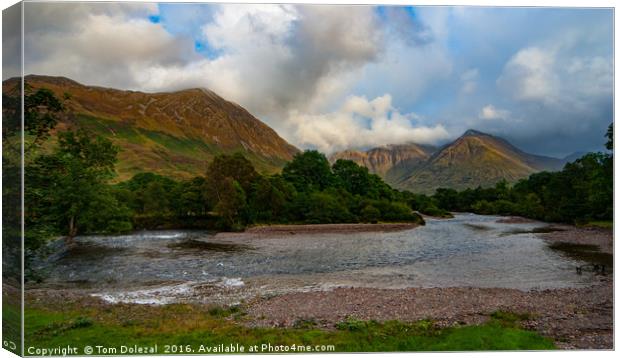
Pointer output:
67, 188
309, 171
229, 178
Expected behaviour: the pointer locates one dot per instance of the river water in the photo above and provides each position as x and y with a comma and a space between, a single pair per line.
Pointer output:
155, 267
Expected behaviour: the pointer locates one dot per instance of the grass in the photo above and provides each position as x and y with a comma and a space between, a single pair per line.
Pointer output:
163, 153
193, 326
11, 324
600, 224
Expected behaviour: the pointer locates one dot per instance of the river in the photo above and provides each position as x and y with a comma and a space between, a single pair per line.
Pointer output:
158, 267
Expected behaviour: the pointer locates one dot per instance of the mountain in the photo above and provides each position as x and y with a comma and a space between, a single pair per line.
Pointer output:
170, 133
474, 159
391, 162
574, 156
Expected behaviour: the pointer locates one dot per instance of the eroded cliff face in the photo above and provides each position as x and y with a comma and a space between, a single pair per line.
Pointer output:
383, 160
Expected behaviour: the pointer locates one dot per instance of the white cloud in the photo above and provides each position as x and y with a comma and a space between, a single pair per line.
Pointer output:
104, 44
362, 123
529, 75
489, 112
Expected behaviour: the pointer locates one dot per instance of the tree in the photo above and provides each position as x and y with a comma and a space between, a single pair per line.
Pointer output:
270, 197
352, 177
231, 204
67, 188
229, 178
324, 208
309, 171
41, 113
370, 214
191, 200
234, 166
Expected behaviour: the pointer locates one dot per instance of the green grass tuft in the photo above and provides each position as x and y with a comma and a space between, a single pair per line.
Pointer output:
191, 325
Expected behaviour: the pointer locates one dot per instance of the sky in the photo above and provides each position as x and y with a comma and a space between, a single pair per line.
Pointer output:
341, 77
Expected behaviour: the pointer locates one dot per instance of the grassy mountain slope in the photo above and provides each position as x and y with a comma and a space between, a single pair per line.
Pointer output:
173, 134
475, 159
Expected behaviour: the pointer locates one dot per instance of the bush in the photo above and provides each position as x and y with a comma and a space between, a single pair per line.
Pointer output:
370, 214
325, 208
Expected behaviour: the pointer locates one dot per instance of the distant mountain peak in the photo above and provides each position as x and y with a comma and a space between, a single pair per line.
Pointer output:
474, 159
474, 133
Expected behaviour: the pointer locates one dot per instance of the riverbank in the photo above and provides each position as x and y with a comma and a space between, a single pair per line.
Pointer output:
278, 230
579, 318
573, 318
187, 329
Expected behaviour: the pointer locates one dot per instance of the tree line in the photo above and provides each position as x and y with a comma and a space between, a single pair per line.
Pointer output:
580, 193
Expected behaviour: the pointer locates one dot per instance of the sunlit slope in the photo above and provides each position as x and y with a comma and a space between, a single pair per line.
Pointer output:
170, 133
475, 159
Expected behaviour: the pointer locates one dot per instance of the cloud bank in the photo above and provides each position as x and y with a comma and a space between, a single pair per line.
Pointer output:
361, 123
333, 77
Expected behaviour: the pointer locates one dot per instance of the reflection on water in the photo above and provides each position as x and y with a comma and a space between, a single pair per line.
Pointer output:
469, 250
590, 254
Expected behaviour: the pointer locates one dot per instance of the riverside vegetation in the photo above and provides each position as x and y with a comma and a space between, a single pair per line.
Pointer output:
184, 325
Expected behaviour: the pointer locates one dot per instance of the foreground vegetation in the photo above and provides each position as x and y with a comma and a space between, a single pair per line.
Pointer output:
193, 326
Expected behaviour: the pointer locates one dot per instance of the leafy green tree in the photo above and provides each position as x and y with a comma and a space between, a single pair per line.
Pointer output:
370, 214
234, 166
232, 203
191, 198
155, 198
229, 178
309, 171
67, 188
324, 208
41, 111
152, 194
353, 178
270, 197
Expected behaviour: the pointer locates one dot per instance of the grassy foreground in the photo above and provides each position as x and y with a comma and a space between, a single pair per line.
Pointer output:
192, 329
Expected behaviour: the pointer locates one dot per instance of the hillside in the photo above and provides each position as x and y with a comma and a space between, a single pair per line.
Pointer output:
474, 159
391, 162
170, 133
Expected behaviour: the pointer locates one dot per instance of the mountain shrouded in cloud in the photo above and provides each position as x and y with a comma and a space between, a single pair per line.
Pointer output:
362, 123
541, 77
